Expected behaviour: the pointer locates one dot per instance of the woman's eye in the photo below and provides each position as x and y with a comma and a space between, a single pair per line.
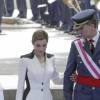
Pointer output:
41, 45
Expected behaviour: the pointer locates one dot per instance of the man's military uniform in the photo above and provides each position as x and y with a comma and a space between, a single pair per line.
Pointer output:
86, 65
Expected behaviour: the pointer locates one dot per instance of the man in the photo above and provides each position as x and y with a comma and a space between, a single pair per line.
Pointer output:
38, 8
85, 4
21, 4
65, 14
9, 4
83, 60
1, 14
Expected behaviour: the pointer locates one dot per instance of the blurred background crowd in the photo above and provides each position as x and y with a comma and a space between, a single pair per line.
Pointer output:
51, 13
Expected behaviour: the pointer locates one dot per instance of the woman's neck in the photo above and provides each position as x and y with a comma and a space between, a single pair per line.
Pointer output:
41, 59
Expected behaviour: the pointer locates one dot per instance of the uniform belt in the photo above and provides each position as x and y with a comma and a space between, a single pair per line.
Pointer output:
88, 81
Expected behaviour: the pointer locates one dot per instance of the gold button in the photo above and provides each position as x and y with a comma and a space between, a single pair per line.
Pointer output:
93, 88
80, 62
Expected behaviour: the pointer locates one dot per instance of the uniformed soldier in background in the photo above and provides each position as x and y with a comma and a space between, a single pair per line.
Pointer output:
38, 8
85, 4
35, 11
9, 4
21, 4
53, 13
1, 13
84, 58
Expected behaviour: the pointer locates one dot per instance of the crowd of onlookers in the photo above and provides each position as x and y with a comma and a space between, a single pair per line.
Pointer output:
51, 13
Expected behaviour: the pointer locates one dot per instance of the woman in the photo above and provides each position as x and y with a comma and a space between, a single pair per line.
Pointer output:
37, 68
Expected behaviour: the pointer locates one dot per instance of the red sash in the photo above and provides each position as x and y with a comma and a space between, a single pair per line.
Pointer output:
87, 60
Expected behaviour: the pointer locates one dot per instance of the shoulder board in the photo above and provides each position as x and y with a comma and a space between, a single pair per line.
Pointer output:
29, 55
49, 55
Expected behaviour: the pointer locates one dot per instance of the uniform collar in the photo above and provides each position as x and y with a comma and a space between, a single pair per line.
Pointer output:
95, 38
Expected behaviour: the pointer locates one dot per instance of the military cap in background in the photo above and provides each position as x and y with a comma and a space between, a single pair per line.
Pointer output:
83, 17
